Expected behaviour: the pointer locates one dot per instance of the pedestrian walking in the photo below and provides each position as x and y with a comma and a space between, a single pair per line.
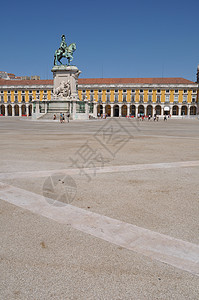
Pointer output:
61, 118
68, 116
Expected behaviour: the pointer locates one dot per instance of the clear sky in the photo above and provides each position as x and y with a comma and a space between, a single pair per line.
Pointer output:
114, 38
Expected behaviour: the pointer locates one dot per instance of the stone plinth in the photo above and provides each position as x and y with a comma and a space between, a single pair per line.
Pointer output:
65, 96
65, 82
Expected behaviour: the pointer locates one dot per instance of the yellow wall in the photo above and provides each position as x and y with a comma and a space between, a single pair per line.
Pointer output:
120, 96
49, 94
137, 96
96, 95
19, 96
112, 96
163, 95
41, 94
171, 95
145, 95
33, 94
189, 96
180, 97
12, 96
128, 96
154, 96
5, 97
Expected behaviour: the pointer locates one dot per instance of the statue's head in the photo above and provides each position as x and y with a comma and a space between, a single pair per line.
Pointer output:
63, 37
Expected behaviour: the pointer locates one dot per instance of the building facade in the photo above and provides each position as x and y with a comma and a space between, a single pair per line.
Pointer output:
116, 97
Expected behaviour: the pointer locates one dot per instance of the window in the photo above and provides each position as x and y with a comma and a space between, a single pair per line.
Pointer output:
176, 91
84, 91
141, 91
124, 91
100, 91
124, 98
158, 91
158, 98
16, 99
23, 92
150, 98
194, 99
2, 92
8, 98
31, 92
194, 91
91, 91
184, 98
141, 98
15, 92
150, 91
45, 91
167, 91
91, 97
116, 98
108, 91
167, 98
107, 98
185, 91
100, 98
23, 98
8, 92
30, 98
37, 91
175, 98
132, 98
116, 91
2, 99
133, 91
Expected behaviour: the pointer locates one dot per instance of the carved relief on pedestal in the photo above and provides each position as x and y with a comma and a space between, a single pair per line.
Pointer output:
63, 90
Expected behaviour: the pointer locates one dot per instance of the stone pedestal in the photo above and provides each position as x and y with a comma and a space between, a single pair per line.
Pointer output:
65, 96
65, 82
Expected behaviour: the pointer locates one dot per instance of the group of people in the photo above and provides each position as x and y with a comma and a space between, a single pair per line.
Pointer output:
141, 117
102, 116
62, 117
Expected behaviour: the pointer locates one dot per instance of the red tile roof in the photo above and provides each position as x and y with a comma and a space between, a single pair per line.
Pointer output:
100, 81
134, 81
25, 82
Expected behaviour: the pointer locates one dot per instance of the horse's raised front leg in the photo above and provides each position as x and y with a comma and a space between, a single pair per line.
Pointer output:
59, 61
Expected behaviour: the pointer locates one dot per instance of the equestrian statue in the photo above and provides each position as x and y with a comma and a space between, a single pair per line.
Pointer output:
64, 51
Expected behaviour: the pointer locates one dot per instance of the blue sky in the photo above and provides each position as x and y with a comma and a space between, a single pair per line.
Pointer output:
114, 38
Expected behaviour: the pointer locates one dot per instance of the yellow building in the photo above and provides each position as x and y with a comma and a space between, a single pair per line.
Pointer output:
112, 96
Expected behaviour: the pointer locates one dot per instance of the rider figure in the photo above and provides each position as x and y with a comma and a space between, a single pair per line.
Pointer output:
63, 44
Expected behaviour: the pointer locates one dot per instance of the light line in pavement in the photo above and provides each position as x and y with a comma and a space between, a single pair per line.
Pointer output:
100, 170
163, 248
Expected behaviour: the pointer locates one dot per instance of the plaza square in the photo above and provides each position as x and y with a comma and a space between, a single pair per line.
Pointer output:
128, 224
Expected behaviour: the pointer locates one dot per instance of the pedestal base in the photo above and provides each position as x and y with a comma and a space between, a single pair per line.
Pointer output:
78, 110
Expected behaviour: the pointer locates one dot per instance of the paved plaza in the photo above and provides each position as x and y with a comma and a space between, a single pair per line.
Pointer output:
99, 209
